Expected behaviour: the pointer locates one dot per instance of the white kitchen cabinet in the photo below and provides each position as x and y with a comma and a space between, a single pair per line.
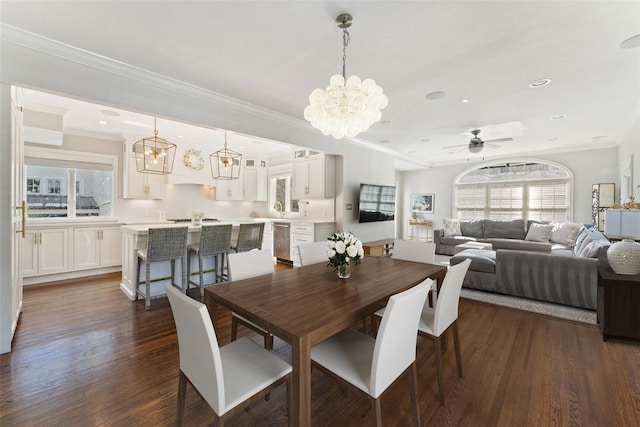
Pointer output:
256, 180
229, 189
45, 251
314, 177
267, 237
138, 185
308, 232
95, 247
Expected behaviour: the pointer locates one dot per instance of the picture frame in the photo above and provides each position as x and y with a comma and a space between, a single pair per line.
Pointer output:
422, 203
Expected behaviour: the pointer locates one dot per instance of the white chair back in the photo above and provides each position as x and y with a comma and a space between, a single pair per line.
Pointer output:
243, 265
313, 253
199, 352
413, 250
446, 311
395, 348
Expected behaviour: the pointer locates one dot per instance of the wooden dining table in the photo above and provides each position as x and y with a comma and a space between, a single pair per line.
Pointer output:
304, 306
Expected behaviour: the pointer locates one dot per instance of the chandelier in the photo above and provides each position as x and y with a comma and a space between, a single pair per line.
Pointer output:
345, 108
154, 154
225, 163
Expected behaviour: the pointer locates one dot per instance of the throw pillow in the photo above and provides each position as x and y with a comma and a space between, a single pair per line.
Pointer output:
452, 227
539, 232
565, 233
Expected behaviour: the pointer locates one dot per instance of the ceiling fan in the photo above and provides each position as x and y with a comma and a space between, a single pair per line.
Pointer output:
476, 144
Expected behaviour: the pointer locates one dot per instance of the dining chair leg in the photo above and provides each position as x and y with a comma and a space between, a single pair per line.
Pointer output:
377, 412
234, 328
456, 344
182, 394
268, 342
437, 350
413, 381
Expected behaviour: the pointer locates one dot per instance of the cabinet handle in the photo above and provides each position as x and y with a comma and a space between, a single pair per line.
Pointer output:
40, 238
35, 238
23, 208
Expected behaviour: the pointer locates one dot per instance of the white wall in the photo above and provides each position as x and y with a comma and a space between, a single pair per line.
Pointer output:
588, 168
629, 153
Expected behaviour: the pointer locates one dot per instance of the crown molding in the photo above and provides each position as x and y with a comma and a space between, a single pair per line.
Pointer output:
80, 56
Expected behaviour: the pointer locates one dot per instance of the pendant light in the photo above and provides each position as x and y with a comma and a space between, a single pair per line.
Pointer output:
225, 163
154, 154
347, 106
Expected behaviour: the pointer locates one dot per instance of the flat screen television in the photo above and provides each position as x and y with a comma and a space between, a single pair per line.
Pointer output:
377, 203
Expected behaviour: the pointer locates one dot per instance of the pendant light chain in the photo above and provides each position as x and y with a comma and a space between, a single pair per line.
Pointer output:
346, 39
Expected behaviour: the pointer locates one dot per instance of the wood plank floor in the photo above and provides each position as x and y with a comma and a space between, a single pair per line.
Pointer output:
85, 355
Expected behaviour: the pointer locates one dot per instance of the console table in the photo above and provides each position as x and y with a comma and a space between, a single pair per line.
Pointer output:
415, 226
618, 304
379, 247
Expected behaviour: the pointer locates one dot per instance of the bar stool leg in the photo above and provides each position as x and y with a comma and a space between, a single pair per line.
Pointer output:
147, 293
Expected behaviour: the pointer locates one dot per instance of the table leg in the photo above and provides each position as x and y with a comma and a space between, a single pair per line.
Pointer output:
301, 404
212, 306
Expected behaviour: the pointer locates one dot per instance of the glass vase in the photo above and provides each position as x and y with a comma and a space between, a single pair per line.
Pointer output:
344, 270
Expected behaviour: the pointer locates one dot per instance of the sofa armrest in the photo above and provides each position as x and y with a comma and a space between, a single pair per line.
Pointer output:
563, 279
437, 236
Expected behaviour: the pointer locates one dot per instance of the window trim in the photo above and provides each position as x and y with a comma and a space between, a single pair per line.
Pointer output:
565, 169
55, 157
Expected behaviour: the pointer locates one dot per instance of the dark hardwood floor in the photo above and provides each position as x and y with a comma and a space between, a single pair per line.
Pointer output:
85, 355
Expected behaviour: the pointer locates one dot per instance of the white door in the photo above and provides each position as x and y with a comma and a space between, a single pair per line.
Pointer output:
12, 159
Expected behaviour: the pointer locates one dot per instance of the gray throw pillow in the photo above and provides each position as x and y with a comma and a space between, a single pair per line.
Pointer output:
539, 232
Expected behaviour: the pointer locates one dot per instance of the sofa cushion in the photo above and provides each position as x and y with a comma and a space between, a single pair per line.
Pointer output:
580, 240
472, 228
513, 229
565, 233
539, 232
481, 260
451, 227
517, 244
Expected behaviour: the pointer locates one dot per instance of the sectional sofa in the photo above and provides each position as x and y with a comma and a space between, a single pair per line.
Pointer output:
549, 262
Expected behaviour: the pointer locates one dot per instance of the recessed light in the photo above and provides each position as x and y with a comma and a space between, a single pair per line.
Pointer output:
631, 42
102, 122
539, 83
558, 117
425, 140
385, 122
435, 95
110, 113
384, 141
465, 101
179, 136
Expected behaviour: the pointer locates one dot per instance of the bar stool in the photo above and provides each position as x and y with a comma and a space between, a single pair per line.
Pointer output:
249, 237
163, 244
215, 241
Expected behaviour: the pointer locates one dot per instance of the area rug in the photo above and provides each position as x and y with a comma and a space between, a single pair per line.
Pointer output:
550, 309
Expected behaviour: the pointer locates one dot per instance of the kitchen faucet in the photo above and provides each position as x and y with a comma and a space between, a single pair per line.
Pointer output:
278, 206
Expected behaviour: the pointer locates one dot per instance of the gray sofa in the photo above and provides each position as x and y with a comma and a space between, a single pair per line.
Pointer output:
563, 274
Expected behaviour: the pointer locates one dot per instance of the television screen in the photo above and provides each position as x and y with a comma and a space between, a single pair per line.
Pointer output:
377, 203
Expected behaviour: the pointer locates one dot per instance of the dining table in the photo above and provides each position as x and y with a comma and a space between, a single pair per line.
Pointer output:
306, 305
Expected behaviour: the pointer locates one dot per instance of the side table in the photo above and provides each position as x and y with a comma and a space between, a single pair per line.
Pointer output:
618, 304
412, 234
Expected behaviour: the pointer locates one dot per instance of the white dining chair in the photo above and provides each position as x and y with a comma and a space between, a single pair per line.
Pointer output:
226, 377
244, 265
372, 364
414, 250
313, 253
434, 321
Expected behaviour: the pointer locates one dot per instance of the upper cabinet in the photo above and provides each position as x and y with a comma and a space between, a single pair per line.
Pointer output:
256, 179
314, 176
138, 185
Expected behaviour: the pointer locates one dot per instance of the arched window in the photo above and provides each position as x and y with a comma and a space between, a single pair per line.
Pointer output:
510, 190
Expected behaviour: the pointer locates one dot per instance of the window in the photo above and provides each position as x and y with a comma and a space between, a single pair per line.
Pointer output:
536, 191
280, 189
49, 192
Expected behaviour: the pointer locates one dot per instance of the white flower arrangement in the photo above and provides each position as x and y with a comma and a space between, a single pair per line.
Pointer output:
343, 248
196, 214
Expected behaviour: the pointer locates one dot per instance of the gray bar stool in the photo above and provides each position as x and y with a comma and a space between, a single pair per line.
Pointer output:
163, 244
215, 241
249, 237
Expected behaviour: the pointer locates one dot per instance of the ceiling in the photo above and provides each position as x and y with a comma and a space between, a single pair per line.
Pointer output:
274, 53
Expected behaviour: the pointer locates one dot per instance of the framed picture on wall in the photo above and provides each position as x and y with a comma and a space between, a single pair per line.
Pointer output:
422, 203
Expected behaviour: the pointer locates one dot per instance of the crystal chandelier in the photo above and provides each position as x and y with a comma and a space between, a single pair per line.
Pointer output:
154, 154
225, 163
345, 109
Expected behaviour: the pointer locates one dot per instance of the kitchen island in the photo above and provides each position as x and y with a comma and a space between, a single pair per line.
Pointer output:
134, 237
